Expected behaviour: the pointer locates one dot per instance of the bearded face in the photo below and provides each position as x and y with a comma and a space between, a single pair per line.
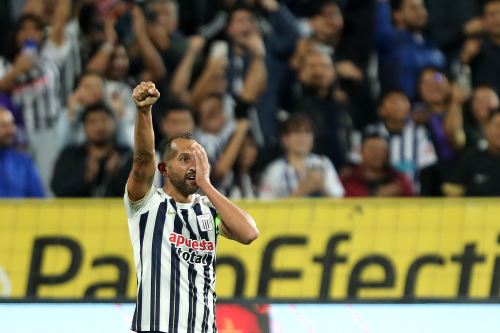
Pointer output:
185, 183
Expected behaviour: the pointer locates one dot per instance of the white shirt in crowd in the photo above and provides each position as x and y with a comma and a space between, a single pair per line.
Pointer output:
280, 178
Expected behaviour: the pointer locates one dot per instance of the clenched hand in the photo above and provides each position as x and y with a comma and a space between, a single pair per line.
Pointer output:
145, 95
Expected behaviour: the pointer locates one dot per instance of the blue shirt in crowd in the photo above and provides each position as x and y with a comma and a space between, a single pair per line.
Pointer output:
402, 54
19, 177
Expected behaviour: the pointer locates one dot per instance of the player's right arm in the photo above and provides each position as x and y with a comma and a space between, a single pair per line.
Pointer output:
143, 169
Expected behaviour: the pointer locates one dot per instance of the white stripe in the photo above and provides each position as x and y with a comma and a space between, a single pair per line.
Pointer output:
146, 266
166, 269
408, 140
395, 149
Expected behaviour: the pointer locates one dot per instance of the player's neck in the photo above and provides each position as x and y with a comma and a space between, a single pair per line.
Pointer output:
172, 192
298, 161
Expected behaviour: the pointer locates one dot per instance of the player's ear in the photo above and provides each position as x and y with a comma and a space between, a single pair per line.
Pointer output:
162, 167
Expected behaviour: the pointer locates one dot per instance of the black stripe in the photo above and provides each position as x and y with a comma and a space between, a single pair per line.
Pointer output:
191, 279
206, 287
213, 211
193, 298
185, 216
416, 156
173, 320
156, 267
136, 322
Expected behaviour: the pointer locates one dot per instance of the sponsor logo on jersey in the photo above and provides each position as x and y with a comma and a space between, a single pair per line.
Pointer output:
182, 241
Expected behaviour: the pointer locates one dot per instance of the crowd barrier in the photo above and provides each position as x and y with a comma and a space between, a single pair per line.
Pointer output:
307, 250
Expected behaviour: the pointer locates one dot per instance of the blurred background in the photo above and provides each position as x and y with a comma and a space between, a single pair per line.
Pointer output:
297, 100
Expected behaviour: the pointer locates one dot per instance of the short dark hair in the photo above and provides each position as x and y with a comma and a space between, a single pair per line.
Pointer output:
237, 8
88, 73
388, 92
166, 144
397, 4
316, 7
170, 105
96, 107
372, 132
12, 49
297, 121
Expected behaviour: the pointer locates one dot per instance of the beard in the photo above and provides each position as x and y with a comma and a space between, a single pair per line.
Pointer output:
181, 184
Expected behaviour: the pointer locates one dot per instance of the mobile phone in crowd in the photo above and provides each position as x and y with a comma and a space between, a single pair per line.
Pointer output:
30, 47
219, 50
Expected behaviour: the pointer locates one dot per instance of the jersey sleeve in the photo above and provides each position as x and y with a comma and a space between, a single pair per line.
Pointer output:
216, 216
134, 207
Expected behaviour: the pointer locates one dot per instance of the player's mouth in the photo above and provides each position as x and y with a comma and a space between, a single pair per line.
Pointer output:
191, 177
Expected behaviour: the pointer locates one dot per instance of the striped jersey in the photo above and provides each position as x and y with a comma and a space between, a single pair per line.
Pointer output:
174, 251
409, 151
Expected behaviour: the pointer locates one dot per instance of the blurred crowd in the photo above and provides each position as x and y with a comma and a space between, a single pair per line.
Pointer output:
290, 98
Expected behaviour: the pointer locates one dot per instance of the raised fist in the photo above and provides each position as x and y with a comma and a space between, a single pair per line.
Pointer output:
145, 95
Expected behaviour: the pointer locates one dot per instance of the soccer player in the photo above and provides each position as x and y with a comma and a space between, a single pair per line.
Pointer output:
174, 230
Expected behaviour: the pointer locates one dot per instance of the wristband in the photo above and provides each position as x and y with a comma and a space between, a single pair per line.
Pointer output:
241, 109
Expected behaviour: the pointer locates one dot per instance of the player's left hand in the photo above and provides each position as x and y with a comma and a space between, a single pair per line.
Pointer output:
202, 165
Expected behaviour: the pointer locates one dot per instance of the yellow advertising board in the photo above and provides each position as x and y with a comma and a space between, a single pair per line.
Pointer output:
307, 249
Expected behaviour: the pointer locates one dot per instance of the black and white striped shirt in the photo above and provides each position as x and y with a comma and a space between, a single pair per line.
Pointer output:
409, 151
174, 251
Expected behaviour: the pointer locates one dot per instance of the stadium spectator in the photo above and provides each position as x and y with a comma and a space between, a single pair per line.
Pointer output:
97, 168
374, 176
176, 118
478, 174
30, 73
52, 13
183, 75
410, 148
451, 21
221, 136
92, 89
403, 49
484, 100
317, 97
326, 24
280, 34
242, 181
440, 110
157, 24
246, 54
223, 122
300, 173
19, 177
483, 53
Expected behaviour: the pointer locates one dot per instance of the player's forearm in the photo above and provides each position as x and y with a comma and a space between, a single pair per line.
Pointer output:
237, 224
144, 136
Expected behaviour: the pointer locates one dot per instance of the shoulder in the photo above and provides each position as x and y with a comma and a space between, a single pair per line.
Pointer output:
19, 157
275, 168
73, 150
